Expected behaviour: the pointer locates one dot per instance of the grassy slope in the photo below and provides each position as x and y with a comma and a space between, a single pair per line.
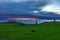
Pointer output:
44, 31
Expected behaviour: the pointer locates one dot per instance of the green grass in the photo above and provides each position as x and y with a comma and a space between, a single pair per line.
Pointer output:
44, 31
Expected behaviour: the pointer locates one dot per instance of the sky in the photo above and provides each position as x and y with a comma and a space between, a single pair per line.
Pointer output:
53, 7
44, 9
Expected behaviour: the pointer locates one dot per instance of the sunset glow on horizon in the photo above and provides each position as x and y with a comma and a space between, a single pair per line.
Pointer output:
22, 19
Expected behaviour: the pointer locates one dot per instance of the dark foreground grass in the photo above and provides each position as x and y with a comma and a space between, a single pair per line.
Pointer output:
44, 31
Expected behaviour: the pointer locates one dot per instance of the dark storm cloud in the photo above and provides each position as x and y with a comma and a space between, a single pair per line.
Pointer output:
22, 7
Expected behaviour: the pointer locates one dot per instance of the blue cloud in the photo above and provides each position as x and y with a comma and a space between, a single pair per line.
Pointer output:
25, 9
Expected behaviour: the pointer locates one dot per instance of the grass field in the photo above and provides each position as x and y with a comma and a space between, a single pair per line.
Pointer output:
44, 31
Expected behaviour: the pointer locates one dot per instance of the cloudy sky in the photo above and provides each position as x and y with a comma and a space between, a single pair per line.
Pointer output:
30, 8
53, 7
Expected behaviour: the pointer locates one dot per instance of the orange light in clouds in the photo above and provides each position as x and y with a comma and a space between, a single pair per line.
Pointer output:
22, 19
